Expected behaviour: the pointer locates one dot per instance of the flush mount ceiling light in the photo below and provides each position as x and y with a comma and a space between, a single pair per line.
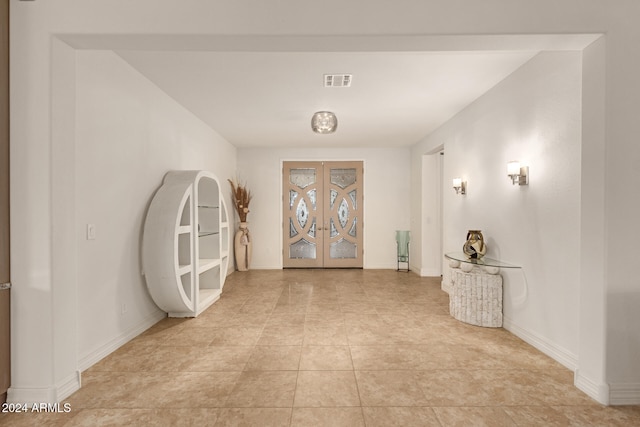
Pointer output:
324, 122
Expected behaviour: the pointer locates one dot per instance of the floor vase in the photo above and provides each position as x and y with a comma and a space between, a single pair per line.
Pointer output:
242, 247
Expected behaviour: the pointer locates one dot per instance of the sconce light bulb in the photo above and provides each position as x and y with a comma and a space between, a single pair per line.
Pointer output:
513, 168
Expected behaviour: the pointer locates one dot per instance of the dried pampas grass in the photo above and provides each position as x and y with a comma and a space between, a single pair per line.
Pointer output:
241, 199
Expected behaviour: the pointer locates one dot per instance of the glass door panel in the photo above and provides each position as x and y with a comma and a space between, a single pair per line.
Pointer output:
343, 183
303, 240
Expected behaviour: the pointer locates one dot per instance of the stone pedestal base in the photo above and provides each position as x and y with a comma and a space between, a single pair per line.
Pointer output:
476, 297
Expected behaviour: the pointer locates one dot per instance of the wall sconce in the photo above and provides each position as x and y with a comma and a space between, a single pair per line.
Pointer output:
460, 186
517, 173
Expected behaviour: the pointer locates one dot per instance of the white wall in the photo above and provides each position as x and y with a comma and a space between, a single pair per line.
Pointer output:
431, 218
590, 375
426, 212
533, 116
386, 199
129, 134
621, 213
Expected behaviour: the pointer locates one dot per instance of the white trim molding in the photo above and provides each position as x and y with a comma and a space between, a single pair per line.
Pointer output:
597, 391
624, 394
427, 272
68, 386
30, 396
559, 354
49, 395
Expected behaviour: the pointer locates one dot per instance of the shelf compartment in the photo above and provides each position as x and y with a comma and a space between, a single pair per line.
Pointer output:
208, 220
208, 193
187, 285
206, 298
210, 278
184, 248
224, 237
223, 213
205, 264
185, 217
224, 265
209, 246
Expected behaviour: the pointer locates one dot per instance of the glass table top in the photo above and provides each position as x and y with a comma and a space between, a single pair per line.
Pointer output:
484, 261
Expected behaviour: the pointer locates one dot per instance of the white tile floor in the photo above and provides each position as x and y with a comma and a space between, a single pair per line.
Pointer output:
329, 348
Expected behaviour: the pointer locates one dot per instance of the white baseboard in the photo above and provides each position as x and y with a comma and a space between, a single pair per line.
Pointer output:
597, 391
603, 393
54, 394
265, 267
385, 266
29, 396
68, 386
94, 357
427, 272
559, 354
624, 394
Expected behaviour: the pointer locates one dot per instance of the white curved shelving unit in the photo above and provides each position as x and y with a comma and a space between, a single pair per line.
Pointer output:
185, 245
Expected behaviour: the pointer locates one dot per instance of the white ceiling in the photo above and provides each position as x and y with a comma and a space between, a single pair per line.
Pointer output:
261, 90
266, 99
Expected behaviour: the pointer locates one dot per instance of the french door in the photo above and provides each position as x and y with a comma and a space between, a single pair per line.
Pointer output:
322, 212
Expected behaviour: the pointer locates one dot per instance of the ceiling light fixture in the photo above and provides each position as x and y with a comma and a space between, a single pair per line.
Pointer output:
324, 122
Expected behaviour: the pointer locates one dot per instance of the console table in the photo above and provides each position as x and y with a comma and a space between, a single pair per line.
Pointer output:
476, 296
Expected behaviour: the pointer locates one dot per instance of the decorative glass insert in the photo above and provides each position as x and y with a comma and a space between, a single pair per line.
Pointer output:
293, 195
354, 229
312, 198
302, 213
343, 249
343, 213
302, 177
353, 194
292, 229
333, 231
333, 195
302, 249
343, 177
312, 229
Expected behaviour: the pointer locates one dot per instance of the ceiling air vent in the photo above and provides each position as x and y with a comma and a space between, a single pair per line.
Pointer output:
337, 80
